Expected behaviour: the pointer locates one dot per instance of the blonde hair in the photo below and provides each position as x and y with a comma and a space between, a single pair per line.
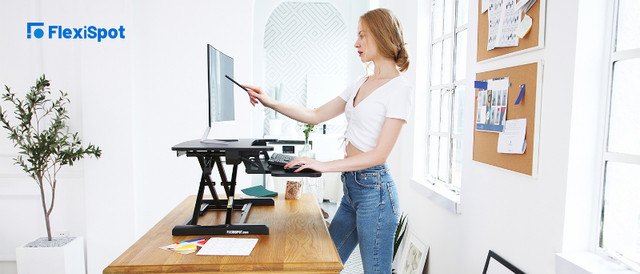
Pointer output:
386, 30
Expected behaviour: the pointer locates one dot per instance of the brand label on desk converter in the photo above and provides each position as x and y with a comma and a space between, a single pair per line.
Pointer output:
237, 232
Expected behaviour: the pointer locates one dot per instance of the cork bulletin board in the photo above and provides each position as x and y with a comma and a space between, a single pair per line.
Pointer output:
485, 143
533, 40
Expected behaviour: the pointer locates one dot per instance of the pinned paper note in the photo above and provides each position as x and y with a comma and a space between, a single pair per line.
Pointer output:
498, 84
503, 20
524, 27
512, 139
492, 105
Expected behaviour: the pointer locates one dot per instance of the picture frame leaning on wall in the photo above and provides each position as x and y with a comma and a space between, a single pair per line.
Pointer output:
498, 265
414, 255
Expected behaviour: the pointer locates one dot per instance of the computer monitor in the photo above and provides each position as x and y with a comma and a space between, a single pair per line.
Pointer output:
220, 91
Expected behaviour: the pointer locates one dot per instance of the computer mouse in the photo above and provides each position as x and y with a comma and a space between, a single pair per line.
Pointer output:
292, 169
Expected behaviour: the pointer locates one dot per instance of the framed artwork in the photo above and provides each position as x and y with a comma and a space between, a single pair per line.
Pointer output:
497, 265
414, 256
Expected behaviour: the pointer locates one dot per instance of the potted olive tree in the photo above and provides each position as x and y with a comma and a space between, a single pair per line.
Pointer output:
45, 144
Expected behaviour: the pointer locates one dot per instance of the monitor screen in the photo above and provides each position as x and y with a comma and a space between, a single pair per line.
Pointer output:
220, 88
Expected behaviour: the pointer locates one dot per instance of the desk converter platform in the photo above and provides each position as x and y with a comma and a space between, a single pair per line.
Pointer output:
250, 152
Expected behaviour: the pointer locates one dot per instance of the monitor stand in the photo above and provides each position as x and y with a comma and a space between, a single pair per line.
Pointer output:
205, 139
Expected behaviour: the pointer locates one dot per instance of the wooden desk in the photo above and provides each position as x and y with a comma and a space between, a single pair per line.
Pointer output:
298, 242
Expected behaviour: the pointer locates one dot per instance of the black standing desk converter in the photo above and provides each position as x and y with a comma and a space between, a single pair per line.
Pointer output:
250, 152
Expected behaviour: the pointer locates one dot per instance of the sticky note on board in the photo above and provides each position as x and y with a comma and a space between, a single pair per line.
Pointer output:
524, 27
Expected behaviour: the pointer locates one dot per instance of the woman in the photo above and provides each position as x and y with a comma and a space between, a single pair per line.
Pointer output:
376, 108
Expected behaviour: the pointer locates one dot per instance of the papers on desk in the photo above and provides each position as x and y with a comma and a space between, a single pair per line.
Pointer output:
215, 246
228, 246
185, 247
511, 139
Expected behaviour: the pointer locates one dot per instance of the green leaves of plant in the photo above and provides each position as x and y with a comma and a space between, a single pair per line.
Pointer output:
42, 134
43, 138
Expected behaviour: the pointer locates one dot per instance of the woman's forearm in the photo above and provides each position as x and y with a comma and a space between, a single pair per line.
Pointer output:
356, 162
325, 112
300, 114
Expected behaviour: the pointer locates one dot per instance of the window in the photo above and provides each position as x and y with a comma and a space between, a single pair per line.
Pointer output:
620, 223
448, 73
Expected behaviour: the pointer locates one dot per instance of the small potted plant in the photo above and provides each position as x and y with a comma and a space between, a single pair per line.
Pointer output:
306, 150
45, 144
399, 235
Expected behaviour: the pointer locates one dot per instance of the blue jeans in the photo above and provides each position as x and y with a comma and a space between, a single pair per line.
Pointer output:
368, 215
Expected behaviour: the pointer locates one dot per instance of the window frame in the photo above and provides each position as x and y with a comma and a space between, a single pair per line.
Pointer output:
450, 88
607, 156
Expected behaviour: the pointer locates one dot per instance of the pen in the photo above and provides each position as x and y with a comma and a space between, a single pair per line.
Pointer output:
236, 82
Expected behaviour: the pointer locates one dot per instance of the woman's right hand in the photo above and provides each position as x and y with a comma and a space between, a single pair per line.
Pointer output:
257, 95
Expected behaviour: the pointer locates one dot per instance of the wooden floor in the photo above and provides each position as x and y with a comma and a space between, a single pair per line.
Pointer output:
298, 242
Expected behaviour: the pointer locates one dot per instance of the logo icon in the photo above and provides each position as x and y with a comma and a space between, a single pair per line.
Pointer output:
38, 33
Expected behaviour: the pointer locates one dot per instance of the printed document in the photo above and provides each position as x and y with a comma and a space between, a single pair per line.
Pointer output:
503, 21
512, 139
492, 105
228, 246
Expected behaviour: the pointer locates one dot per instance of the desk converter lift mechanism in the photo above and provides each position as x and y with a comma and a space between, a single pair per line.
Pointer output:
208, 158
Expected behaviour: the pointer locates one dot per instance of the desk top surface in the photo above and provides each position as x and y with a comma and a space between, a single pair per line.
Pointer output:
298, 242
222, 145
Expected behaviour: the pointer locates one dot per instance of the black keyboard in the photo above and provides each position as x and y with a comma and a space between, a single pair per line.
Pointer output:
279, 159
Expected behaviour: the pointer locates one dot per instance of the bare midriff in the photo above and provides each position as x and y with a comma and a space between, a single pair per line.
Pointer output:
352, 151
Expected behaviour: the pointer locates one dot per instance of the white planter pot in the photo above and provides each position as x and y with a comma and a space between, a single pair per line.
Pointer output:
67, 259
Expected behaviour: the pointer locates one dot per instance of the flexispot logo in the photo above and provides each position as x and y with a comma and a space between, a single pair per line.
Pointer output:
37, 30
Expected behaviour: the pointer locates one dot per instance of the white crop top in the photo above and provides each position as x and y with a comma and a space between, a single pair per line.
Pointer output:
394, 99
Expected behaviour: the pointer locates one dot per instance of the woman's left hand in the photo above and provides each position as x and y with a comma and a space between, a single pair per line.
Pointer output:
306, 162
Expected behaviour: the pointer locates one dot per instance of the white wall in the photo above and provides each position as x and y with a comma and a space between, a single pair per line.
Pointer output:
517, 216
107, 121
135, 98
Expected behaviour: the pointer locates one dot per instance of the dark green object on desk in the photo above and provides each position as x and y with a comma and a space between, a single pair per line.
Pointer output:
259, 191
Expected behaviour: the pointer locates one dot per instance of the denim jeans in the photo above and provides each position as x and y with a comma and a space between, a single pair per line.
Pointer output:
368, 215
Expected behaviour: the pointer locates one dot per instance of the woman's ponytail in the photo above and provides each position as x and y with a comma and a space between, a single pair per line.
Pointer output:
402, 59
